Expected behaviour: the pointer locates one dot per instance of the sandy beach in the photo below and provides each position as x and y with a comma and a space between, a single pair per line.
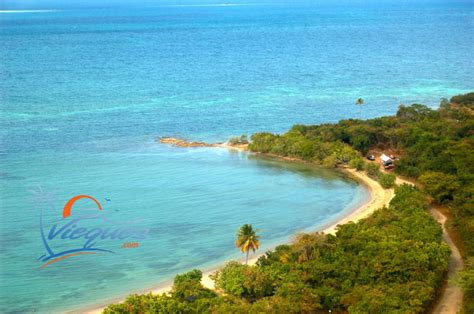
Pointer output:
379, 197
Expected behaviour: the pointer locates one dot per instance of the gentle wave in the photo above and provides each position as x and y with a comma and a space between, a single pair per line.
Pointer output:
214, 5
28, 11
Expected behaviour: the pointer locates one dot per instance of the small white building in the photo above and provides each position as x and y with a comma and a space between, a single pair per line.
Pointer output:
384, 158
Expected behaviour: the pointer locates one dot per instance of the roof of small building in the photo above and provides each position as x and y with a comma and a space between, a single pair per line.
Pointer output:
385, 158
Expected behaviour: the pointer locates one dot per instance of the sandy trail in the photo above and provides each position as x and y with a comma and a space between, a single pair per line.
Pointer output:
450, 300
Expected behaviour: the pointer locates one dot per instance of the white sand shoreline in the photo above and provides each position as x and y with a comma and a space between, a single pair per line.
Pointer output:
379, 197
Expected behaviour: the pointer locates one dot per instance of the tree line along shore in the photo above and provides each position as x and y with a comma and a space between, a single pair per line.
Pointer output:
392, 261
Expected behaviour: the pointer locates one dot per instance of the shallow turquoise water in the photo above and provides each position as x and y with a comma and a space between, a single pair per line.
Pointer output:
191, 200
85, 92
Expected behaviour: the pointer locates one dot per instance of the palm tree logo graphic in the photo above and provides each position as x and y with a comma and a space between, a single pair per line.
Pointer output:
52, 256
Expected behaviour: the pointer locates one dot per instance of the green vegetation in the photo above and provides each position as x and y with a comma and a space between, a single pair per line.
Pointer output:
247, 239
464, 100
386, 180
466, 281
296, 143
373, 170
436, 149
321, 148
238, 140
243, 281
440, 185
392, 261
357, 163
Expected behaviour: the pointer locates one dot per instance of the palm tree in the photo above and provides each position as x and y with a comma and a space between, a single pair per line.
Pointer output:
247, 239
360, 102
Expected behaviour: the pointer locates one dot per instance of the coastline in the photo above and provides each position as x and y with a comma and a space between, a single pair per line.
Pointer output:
378, 198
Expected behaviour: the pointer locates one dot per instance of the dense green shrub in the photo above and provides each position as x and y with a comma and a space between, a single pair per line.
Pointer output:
188, 286
262, 142
466, 99
440, 186
295, 144
408, 198
357, 163
238, 140
386, 180
243, 281
436, 148
466, 281
392, 261
373, 170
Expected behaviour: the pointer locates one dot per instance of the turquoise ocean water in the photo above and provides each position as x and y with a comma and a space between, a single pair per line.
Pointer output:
85, 92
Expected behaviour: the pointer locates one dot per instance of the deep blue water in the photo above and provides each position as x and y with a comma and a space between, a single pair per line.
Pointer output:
84, 93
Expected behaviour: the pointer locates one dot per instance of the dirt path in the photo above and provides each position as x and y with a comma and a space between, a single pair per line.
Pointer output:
379, 197
451, 297
450, 300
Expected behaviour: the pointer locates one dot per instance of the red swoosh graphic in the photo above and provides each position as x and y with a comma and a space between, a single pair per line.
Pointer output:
64, 257
68, 206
